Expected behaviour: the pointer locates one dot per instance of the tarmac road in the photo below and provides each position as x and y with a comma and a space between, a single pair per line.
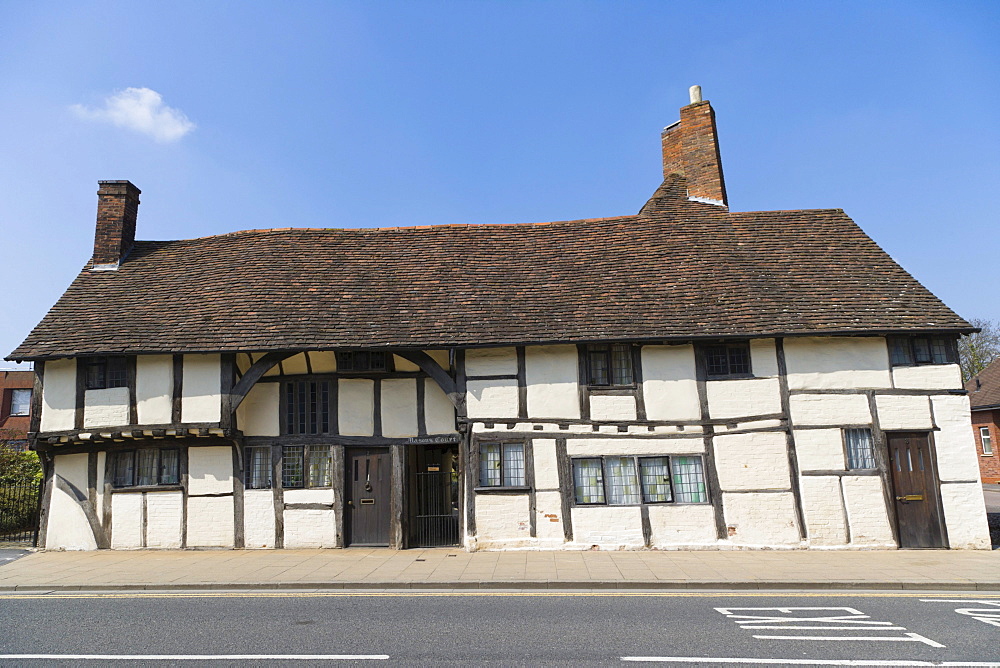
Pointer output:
510, 629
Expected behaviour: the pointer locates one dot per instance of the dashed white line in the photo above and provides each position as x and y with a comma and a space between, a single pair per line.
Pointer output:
802, 662
199, 657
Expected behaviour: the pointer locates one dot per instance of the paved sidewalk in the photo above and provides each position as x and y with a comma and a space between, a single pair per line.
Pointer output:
440, 568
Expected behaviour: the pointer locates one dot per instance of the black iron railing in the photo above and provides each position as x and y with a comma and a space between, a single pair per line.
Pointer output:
19, 513
436, 521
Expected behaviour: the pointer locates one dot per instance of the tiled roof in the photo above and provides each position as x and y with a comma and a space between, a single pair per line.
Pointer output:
985, 393
677, 270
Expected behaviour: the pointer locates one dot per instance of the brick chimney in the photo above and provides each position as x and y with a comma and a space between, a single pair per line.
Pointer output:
117, 206
691, 149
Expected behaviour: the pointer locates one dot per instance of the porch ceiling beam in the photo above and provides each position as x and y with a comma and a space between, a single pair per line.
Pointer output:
430, 366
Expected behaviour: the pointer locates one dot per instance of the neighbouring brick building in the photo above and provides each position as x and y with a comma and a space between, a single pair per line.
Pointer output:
984, 398
684, 377
15, 407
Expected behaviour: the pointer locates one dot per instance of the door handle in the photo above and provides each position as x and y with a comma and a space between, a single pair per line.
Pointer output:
910, 497
350, 503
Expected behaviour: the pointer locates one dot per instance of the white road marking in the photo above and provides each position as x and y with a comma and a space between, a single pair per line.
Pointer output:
989, 615
751, 627
906, 637
200, 657
802, 662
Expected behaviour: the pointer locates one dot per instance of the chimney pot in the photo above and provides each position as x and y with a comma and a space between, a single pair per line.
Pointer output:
695, 93
117, 207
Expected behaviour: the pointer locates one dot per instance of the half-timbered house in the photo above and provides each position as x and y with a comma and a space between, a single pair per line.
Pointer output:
685, 377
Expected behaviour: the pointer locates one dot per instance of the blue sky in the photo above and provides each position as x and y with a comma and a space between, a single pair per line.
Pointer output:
376, 114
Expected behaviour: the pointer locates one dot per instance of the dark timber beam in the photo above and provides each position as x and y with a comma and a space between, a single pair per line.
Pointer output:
232, 400
429, 366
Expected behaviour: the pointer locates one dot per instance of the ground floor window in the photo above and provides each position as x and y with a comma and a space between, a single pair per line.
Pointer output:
501, 465
306, 466
860, 451
258, 467
146, 467
626, 480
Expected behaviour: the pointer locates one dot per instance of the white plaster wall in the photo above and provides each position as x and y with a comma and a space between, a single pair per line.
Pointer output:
164, 514
552, 377
761, 520
126, 521
763, 358
259, 414
310, 528
442, 357
954, 444
549, 520
201, 397
829, 409
106, 408
295, 365
502, 520
899, 412
439, 413
608, 527
610, 407
686, 524
866, 511
258, 518
752, 461
356, 406
819, 449
546, 464
491, 398
323, 361
928, 377
210, 521
835, 362
309, 495
154, 388
399, 407
669, 387
68, 527
739, 398
595, 447
58, 395
210, 470
965, 516
490, 362
823, 508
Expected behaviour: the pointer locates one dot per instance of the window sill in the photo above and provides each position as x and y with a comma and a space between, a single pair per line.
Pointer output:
519, 489
147, 488
612, 390
640, 505
732, 376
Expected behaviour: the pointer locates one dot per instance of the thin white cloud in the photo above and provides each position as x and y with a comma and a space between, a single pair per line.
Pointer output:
142, 110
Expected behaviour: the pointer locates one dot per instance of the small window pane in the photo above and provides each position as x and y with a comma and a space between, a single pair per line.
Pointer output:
292, 466
258, 466
899, 350
940, 351
20, 402
489, 465
319, 465
513, 464
689, 480
588, 481
655, 474
921, 351
717, 360
739, 360
95, 375
169, 467
123, 475
860, 454
984, 435
623, 488
116, 372
146, 467
599, 367
621, 364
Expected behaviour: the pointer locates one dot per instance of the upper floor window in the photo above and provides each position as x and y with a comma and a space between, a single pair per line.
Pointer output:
20, 402
307, 407
909, 350
105, 372
146, 467
987, 440
610, 365
728, 360
363, 360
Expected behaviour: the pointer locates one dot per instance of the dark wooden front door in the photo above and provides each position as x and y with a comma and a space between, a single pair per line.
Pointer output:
915, 491
366, 496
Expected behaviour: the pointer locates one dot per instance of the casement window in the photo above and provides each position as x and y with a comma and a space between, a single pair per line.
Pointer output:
105, 372
610, 365
306, 466
362, 360
987, 440
727, 360
257, 464
501, 465
307, 407
911, 350
20, 402
860, 450
146, 468
630, 480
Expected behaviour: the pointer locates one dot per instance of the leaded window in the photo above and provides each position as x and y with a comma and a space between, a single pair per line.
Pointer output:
364, 360
258, 467
105, 372
147, 467
306, 466
622, 486
307, 407
860, 451
655, 473
688, 478
622, 480
727, 360
501, 465
610, 365
911, 350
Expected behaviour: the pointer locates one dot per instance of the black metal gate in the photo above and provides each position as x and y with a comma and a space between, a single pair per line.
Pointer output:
435, 520
19, 513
